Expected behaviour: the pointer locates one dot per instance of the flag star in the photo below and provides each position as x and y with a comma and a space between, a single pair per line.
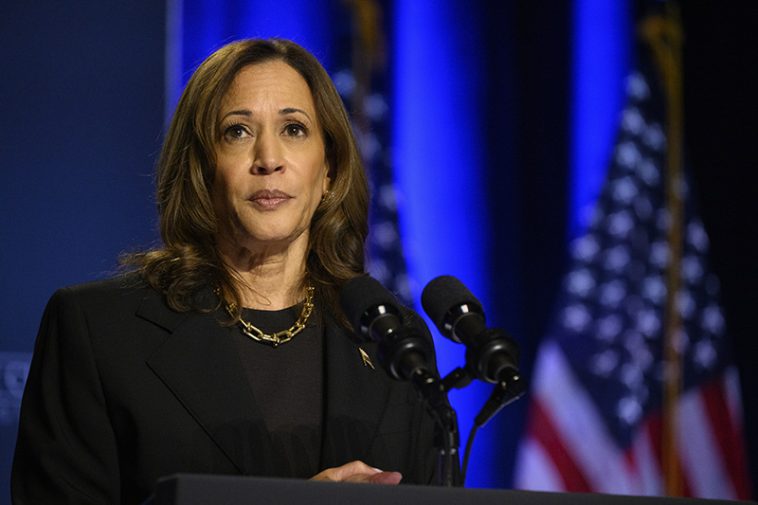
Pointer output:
660, 254
627, 155
384, 234
648, 172
631, 375
697, 236
692, 269
654, 289
629, 410
624, 190
617, 258
576, 317
370, 146
648, 322
344, 82
581, 282
705, 355
653, 137
604, 363
585, 248
378, 269
620, 224
643, 208
632, 120
375, 106
612, 293
388, 197
609, 327
712, 320
637, 87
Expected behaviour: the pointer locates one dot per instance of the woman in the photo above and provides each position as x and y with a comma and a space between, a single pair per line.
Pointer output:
225, 350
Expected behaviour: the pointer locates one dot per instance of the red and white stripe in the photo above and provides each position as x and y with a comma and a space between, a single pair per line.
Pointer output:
568, 448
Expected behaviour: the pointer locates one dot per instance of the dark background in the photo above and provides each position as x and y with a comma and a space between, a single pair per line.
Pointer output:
721, 130
82, 101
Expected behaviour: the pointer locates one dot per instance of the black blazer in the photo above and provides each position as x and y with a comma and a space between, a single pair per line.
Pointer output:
122, 390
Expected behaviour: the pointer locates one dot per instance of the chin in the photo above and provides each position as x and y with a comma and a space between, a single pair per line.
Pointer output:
270, 237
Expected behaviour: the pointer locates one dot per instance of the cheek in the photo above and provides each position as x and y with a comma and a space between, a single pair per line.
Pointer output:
225, 178
222, 191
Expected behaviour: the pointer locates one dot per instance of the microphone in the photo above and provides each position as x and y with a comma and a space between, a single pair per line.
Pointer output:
491, 354
374, 313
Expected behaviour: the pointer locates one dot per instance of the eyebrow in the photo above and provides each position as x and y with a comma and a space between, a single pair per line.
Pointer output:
249, 113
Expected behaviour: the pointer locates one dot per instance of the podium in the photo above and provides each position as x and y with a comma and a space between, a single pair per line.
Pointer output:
190, 489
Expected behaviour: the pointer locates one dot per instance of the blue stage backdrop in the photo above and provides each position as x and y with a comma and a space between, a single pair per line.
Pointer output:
82, 112
496, 121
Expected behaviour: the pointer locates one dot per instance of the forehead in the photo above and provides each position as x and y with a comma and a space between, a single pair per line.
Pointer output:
271, 83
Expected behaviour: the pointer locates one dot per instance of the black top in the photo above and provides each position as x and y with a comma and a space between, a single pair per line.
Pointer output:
287, 384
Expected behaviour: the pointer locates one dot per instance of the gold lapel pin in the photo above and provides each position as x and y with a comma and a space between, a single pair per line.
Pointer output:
366, 360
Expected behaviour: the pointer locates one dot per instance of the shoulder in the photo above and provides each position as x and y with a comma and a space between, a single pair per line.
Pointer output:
126, 291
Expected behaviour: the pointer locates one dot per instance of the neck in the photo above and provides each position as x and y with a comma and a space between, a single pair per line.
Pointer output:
271, 276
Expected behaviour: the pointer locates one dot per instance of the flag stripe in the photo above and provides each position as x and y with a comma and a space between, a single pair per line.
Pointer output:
727, 436
646, 462
537, 470
545, 434
580, 425
696, 445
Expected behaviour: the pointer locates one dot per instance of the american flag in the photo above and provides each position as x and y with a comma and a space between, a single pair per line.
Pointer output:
598, 417
362, 84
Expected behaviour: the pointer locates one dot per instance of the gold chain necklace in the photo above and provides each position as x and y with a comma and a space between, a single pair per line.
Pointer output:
280, 337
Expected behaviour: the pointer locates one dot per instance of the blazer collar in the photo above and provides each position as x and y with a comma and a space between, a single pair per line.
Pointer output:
199, 364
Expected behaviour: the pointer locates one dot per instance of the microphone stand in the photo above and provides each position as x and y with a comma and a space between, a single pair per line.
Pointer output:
411, 364
446, 438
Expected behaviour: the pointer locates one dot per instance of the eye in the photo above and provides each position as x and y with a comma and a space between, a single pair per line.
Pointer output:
235, 132
295, 130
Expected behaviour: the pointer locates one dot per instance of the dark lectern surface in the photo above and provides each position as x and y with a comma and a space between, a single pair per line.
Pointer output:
187, 489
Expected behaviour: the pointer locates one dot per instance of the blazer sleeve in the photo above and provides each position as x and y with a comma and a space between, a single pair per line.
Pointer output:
66, 450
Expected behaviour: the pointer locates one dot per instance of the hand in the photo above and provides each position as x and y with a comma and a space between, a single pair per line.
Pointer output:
358, 471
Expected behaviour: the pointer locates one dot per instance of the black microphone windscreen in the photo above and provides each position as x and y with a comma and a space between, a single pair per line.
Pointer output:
362, 293
444, 293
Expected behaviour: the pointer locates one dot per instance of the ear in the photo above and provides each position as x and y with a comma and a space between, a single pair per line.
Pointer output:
327, 182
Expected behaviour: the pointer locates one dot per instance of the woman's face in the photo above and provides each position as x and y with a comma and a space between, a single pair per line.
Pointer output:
271, 169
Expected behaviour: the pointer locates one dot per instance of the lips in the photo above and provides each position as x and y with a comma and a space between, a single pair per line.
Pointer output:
268, 199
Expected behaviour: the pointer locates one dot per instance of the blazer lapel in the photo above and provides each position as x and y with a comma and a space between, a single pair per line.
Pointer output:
356, 395
199, 364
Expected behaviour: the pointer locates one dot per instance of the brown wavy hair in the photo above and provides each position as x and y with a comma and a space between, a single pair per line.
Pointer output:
189, 263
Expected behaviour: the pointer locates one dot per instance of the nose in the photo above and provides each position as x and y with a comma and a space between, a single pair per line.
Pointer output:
268, 155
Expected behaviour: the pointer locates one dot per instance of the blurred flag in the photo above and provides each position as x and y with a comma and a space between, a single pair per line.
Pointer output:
362, 82
631, 396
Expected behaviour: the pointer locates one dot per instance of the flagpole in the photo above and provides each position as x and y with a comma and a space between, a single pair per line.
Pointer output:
664, 35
